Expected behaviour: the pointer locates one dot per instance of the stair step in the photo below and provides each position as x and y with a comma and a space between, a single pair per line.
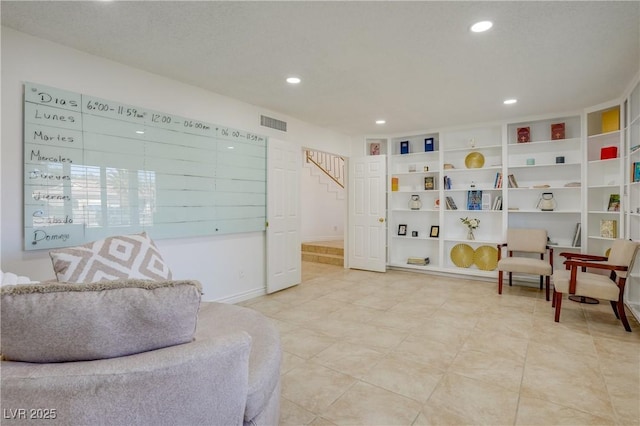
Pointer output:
313, 248
330, 259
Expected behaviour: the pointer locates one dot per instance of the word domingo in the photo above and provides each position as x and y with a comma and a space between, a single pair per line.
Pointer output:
40, 235
35, 155
46, 98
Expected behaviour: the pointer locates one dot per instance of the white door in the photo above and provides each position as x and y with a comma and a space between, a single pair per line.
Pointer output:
283, 215
367, 213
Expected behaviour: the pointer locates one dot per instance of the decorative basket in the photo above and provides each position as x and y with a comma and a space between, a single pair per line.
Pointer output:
486, 258
474, 160
462, 255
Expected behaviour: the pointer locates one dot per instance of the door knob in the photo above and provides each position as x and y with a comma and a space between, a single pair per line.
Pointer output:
381, 220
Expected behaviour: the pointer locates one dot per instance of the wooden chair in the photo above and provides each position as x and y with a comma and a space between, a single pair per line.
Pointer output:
576, 280
525, 241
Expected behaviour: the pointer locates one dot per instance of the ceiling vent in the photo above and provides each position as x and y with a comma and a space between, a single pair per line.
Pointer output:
273, 123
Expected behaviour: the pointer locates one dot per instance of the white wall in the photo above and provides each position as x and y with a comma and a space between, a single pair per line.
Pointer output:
217, 261
322, 213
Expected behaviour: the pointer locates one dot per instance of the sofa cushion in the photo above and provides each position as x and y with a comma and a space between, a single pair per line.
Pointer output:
217, 319
125, 256
70, 322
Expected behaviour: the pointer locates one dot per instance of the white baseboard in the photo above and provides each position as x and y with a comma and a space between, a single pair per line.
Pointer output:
240, 297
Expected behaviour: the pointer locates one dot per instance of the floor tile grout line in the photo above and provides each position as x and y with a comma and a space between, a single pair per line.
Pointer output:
535, 315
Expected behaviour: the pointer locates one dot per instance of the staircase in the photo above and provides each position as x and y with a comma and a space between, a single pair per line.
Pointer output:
328, 252
329, 169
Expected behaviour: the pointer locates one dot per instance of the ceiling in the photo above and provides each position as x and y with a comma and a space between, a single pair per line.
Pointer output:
415, 64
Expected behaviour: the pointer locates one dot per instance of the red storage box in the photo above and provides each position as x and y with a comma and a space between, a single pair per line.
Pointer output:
607, 152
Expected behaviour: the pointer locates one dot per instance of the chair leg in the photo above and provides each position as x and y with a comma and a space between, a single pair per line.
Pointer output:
623, 316
541, 283
558, 305
510, 279
499, 282
614, 306
548, 284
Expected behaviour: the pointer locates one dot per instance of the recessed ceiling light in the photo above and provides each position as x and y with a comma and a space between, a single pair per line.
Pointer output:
380, 121
510, 101
481, 26
140, 132
293, 80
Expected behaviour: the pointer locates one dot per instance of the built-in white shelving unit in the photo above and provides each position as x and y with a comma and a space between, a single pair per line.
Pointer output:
472, 161
550, 164
414, 173
604, 177
566, 157
631, 201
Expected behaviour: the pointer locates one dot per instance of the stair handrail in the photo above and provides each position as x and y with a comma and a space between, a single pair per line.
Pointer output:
330, 164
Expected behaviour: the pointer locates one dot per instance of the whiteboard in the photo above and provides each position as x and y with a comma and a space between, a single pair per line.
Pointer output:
95, 168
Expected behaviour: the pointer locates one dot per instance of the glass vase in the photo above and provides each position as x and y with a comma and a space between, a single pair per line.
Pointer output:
470, 235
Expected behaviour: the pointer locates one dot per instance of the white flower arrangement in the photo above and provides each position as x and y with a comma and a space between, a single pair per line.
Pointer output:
472, 223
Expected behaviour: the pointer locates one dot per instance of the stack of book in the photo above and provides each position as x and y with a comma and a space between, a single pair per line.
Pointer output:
497, 203
451, 205
577, 235
420, 261
447, 182
498, 181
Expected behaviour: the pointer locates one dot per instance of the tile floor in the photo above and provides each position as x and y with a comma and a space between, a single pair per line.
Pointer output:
399, 348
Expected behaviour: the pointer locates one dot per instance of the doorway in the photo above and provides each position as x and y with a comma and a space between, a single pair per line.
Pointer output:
323, 208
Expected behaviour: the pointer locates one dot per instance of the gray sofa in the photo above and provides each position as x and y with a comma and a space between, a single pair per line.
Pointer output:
228, 375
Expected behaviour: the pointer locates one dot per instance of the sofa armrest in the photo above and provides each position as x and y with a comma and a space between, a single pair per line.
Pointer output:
201, 382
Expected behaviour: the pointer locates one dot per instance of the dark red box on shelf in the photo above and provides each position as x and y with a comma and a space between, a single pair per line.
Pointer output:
607, 152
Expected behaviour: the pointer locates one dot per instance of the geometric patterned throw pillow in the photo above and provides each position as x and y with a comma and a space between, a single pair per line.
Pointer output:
119, 257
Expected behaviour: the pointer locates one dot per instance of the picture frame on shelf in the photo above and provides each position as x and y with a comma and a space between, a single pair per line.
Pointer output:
474, 200
429, 183
374, 148
428, 145
523, 134
402, 229
486, 201
608, 228
435, 231
636, 171
614, 203
404, 147
557, 131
